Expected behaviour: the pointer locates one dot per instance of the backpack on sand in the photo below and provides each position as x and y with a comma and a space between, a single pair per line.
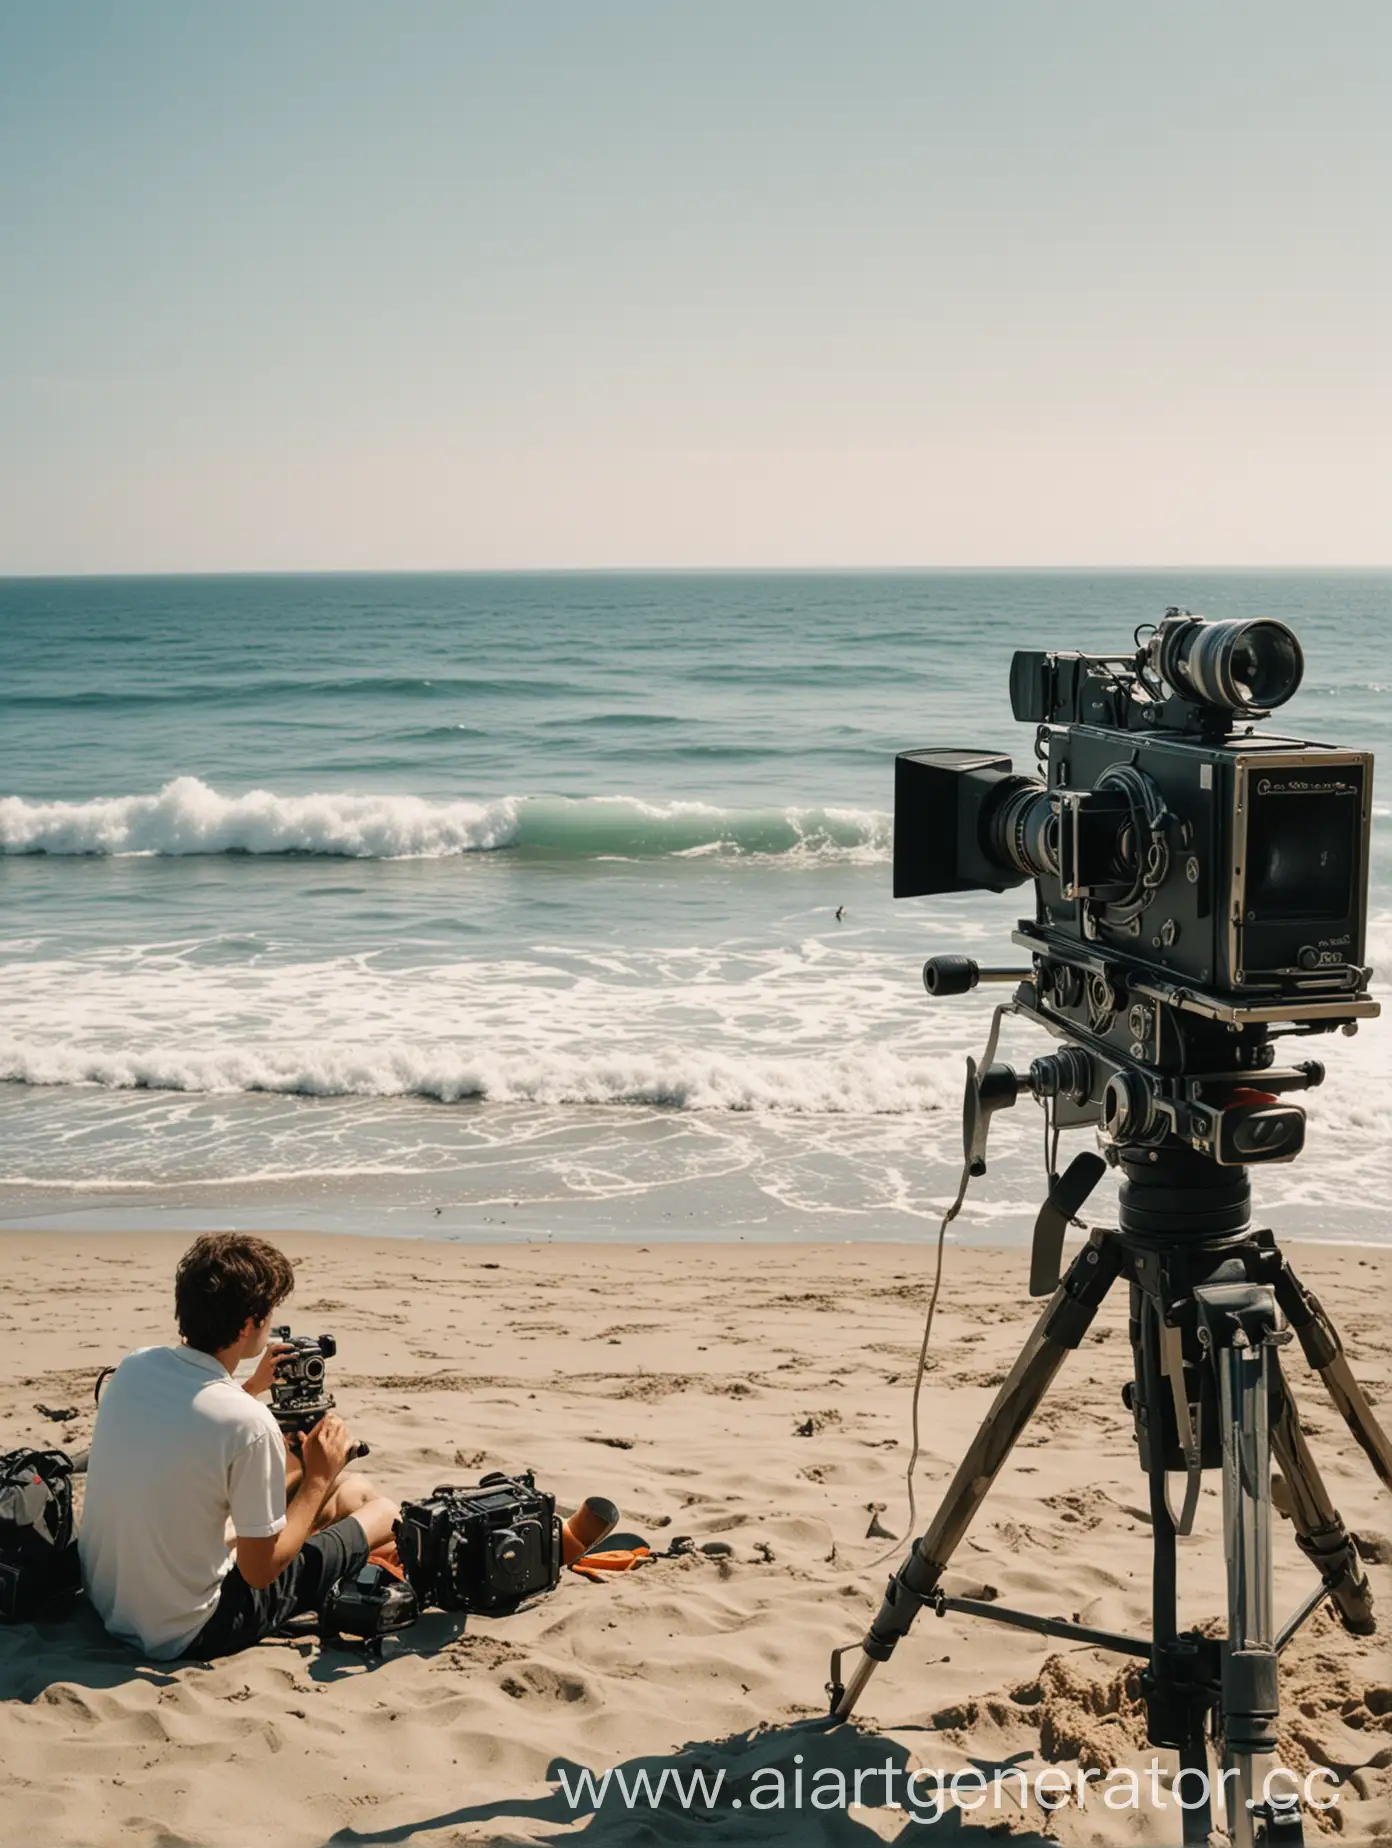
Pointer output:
38, 1545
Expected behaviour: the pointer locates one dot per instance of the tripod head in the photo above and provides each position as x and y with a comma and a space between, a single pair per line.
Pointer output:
1160, 1076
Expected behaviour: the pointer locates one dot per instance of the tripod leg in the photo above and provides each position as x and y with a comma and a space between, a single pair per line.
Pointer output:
1325, 1353
1179, 1685
1319, 1532
1066, 1319
1238, 1325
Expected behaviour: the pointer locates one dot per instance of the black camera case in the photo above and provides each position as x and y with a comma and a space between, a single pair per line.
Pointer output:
367, 1605
486, 1548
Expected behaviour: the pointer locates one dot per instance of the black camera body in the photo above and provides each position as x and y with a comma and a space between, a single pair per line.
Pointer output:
1232, 862
299, 1393
486, 1548
1199, 887
1246, 874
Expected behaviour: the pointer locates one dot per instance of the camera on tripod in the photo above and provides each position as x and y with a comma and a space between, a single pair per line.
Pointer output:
1198, 885
1200, 891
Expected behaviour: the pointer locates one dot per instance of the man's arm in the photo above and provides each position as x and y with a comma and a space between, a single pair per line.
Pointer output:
325, 1452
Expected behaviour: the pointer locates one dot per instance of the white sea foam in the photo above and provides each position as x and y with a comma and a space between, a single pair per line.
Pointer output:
875, 1083
813, 1065
698, 1029
188, 817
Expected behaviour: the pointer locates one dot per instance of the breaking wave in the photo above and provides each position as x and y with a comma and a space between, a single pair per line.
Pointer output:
187, 817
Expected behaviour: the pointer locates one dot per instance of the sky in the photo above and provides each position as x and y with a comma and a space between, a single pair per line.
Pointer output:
306, 285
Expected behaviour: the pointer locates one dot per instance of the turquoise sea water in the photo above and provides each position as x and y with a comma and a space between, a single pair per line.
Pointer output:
483, 904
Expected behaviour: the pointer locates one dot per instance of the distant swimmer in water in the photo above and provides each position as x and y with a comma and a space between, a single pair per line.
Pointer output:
840, 913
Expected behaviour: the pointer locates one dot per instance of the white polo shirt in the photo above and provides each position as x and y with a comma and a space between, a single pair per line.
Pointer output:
178, 1450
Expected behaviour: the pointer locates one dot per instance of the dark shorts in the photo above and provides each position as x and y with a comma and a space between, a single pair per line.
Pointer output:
244, 1615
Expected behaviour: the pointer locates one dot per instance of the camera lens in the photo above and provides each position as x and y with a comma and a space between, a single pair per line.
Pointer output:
1021, 827
313, 1370
1248, 663
1234, 665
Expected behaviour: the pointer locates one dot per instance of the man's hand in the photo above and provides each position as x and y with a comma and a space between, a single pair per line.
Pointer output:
324, 1450
260, 1381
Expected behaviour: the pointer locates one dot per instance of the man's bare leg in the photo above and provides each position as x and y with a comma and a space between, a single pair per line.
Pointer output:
352, 1493
359, 1496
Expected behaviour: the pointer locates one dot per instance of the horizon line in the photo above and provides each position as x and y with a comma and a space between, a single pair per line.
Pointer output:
853, 570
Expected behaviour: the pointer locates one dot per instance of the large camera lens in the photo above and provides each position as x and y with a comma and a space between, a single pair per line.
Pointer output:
1234, 665
1021, 827
312, 1369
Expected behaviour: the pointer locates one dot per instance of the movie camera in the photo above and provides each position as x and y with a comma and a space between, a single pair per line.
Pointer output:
1199, 888
482, 1548
1200, 891
299, 1390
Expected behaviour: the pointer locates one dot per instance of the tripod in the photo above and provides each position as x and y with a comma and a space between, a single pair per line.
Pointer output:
1209, 1392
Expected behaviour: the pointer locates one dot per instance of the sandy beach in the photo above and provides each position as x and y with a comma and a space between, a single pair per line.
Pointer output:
755, 1398
620, 629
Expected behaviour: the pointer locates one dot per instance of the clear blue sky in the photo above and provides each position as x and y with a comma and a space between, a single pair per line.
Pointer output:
772, 282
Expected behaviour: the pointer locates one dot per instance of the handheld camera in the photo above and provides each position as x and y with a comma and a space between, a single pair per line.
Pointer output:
299, 1391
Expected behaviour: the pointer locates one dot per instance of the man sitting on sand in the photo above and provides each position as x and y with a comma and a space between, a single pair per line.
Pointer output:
183, 1455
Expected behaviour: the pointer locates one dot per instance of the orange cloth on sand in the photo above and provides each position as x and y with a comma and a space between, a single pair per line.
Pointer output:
595, 1565
387, 1556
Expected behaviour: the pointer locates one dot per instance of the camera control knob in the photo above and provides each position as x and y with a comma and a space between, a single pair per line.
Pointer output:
956, 975
990, 1089
1065, 1073
950, 975
509, 1553
1128, 1108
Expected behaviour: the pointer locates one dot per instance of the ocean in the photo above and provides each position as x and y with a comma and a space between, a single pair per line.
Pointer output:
554, 905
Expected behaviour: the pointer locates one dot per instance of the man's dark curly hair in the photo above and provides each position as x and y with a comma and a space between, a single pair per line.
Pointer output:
222, 1280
